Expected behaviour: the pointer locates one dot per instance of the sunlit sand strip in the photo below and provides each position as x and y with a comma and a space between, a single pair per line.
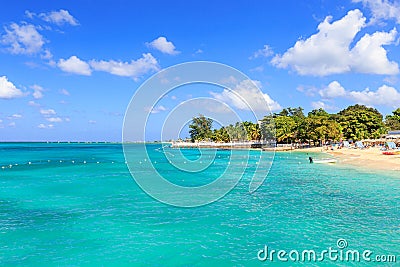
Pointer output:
371, 158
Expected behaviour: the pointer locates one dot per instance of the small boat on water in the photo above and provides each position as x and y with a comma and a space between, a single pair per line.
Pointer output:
324, 161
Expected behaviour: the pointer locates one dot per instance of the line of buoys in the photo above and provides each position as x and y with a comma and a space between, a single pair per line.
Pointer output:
40, 162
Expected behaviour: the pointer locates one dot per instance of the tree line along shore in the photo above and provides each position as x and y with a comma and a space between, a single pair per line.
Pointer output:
292, 126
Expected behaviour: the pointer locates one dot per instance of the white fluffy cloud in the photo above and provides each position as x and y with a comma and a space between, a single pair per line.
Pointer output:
368, 55
22, 39
37, 91
246, 95
333, 90
384, 95
58, 17
328, 51
54, 119
47, 112
133, 69
8, 89
164, 46
382, 9
74, 65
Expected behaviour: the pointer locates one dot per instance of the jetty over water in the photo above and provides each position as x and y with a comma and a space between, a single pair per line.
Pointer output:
230, 145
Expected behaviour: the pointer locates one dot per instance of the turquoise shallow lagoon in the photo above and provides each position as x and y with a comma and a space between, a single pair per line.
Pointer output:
77, 205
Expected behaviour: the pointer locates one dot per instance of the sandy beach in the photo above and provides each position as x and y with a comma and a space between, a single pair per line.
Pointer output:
370, 158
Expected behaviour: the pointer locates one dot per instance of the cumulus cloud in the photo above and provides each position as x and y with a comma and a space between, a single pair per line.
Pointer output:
47, 112
37, 91
246, 95
333, 90
384, 95
368, 55
58, 17
74, 65
8, 89
22, 39
133, 69
328, 51
382, 9
161, 44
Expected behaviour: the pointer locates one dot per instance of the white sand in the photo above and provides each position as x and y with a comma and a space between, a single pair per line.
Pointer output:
370, 158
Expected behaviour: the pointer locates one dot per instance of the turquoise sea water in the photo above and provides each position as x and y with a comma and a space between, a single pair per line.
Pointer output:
77, 205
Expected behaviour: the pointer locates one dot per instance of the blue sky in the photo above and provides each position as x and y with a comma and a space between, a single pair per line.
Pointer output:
69, 68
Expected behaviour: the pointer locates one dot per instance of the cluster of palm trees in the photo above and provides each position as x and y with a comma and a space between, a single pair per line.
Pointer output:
240, 131
201, 130
355, 122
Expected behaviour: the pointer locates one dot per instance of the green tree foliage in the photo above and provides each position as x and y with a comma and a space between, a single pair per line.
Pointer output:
361, 122
291, 125
267, 128
254, 132
285, 128
321, 126
220, 135
244, 131
200, 128
392, 122
237, 132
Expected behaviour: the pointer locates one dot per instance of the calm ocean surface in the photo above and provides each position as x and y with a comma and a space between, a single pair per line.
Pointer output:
77, 205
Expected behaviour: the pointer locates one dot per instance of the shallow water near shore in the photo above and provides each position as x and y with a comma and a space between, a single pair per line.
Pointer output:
77, 204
